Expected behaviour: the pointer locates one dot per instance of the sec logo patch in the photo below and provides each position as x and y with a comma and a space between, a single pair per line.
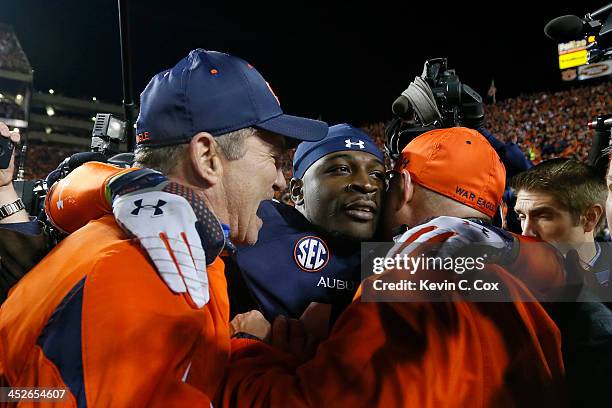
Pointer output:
311, 254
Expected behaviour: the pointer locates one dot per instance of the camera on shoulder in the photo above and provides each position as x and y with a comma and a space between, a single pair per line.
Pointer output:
436, 99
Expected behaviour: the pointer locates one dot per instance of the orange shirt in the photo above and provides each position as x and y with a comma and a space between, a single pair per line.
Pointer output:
94, 316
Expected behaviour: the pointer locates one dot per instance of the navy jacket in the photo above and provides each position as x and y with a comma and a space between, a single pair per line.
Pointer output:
293, 264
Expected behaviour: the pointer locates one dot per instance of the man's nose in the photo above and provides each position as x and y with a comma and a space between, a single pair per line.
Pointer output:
528, 228
280, 183
362, 182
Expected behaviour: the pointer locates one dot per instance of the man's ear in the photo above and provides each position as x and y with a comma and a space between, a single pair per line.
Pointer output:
592, 216
407, 188
205, 159
296, 189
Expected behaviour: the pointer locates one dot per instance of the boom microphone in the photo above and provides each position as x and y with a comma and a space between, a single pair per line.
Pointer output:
605, 123
564, 28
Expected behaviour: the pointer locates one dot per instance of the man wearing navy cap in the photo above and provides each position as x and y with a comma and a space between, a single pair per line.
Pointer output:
109, 320
212, 103
311, 253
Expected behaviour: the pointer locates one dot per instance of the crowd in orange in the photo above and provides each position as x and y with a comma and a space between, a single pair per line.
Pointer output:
551, 125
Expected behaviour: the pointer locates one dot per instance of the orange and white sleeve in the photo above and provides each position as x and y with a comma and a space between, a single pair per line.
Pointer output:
81, 196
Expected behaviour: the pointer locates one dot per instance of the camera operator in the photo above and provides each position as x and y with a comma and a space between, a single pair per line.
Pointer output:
22, 241
25, 239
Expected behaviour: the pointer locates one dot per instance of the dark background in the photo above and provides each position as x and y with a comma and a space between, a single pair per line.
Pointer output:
340, 63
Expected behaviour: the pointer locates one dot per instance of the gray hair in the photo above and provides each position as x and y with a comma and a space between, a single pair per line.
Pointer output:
166, 158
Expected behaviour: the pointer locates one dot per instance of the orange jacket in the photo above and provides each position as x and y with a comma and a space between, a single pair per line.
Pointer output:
94, 316
415, 354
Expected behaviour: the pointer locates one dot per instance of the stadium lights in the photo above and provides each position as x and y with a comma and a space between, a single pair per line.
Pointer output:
50, 111
93, 118
48, 130
18, 99
93, 98
51, 91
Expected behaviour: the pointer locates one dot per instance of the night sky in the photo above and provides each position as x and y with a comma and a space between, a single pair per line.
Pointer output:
340, 63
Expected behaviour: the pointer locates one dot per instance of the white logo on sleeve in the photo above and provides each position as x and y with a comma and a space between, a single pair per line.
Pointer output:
350, 143
311, 254
60, 202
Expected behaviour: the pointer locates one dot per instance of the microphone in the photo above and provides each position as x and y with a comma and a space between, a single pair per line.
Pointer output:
401, 106
601, 122
564, 28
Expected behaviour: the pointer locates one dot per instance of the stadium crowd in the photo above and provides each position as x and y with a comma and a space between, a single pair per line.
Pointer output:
42, 158
551, 125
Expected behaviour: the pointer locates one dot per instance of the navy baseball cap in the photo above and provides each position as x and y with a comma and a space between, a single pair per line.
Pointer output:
209, 91
339, 138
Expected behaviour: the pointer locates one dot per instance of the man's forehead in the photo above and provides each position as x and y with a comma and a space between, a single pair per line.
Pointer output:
350, 156
271, 140
528, 200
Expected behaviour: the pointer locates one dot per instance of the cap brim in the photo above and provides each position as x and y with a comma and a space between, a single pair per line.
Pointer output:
294, 127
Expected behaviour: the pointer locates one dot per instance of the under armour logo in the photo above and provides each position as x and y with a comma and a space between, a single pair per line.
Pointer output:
360, 143
140, 206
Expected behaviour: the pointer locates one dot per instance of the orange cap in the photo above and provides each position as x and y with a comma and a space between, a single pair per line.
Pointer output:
458, 163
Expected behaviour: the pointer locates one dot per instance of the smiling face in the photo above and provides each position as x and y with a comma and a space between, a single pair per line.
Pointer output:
250, 180
342, 193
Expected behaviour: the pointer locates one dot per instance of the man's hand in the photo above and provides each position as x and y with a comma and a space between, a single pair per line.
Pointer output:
253, 323
6, 175
157, 213
289, 335
316, 319
7, 191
